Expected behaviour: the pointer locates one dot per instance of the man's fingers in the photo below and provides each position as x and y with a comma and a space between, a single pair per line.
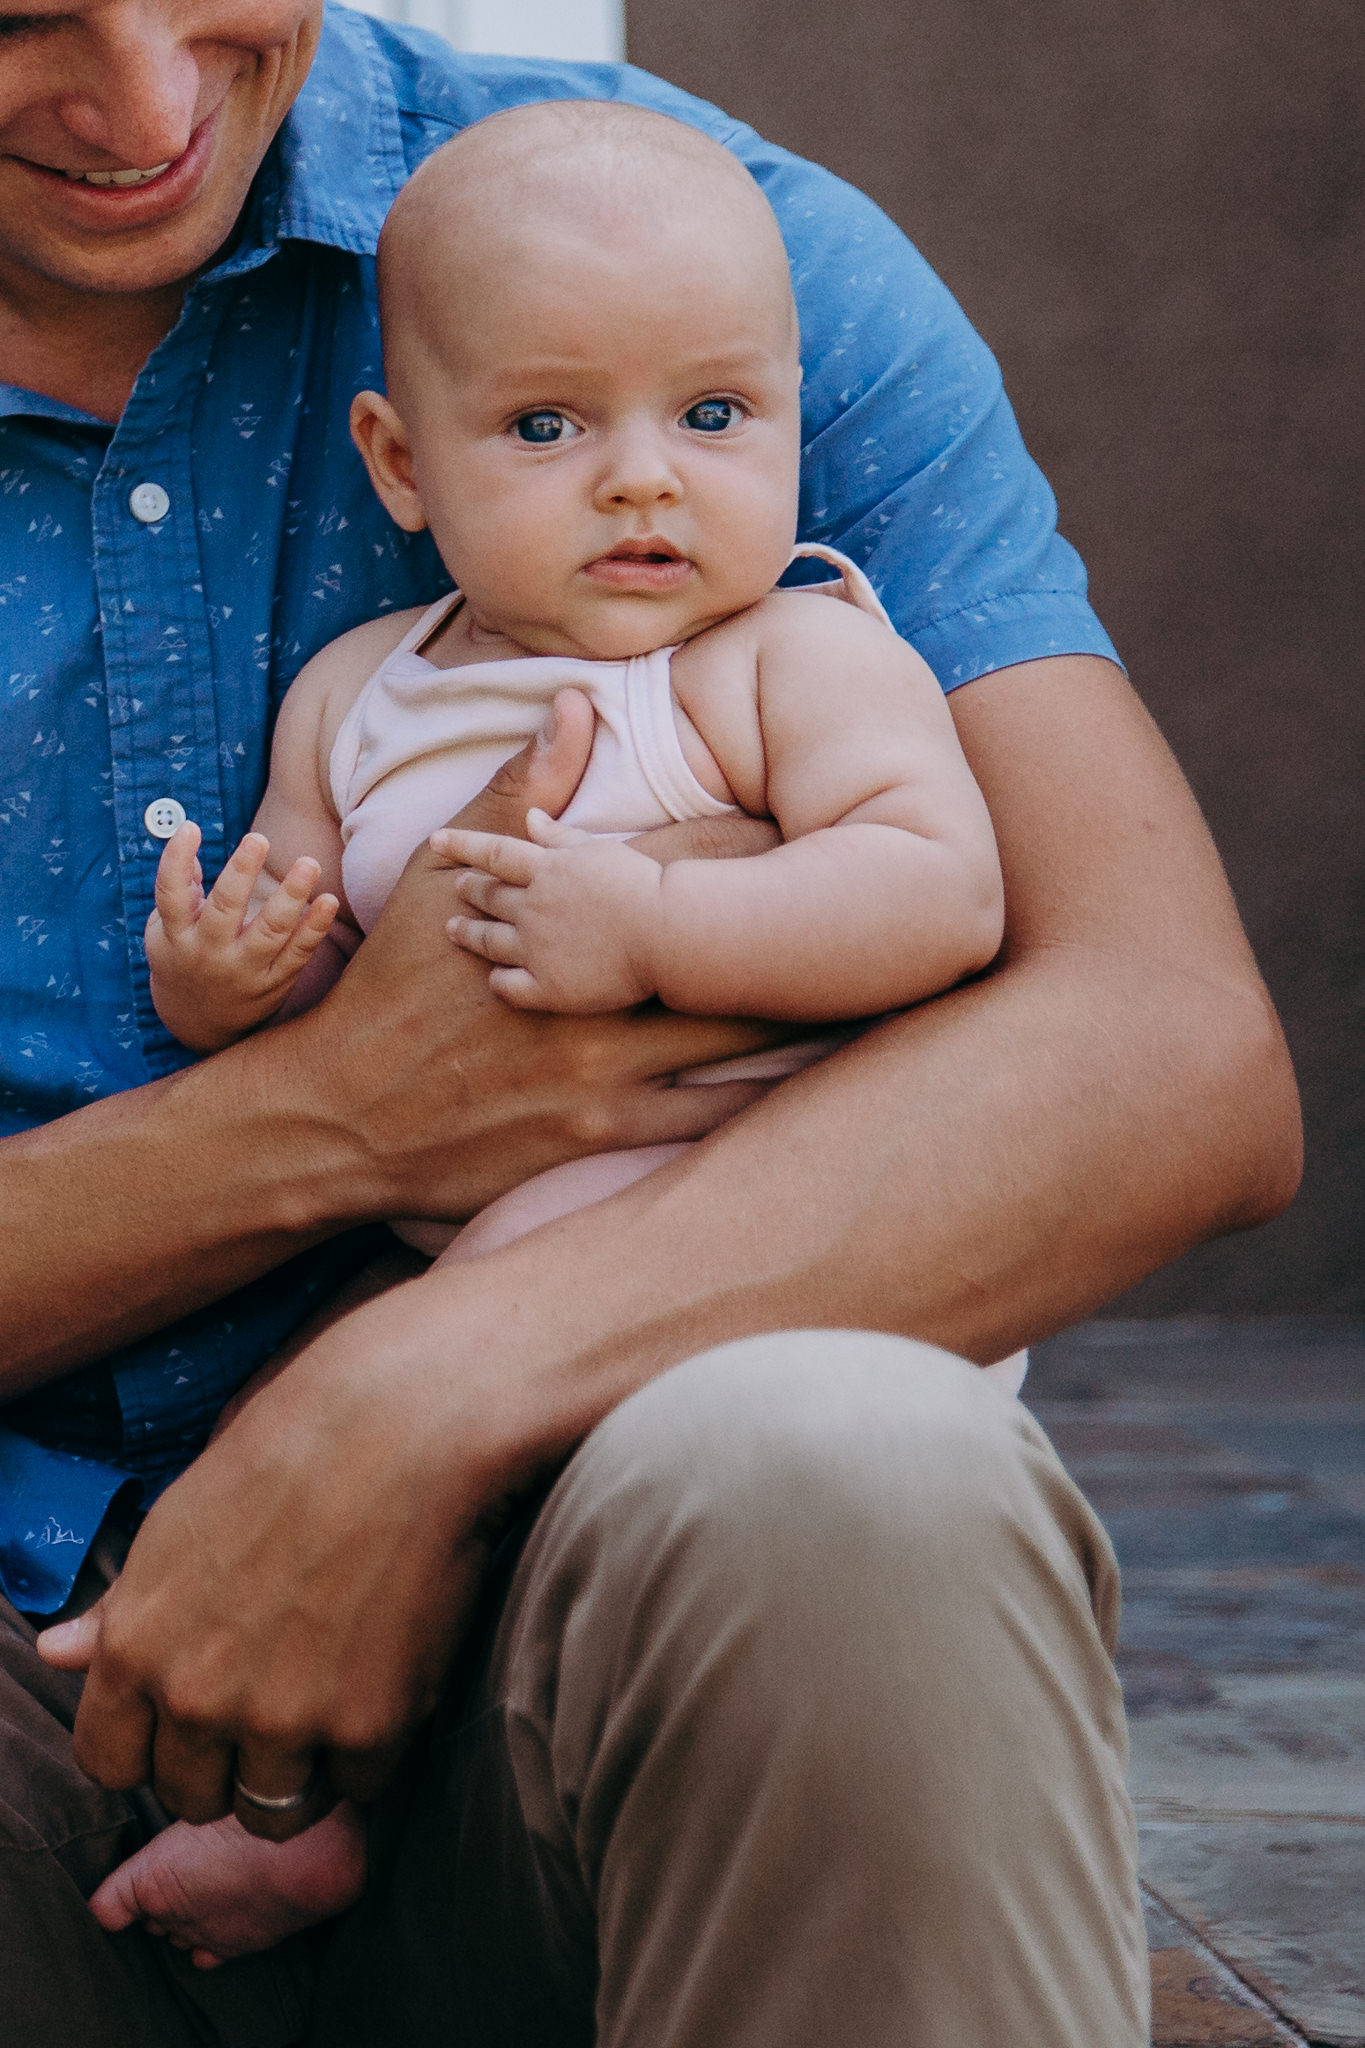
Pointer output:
226, 904
271, 1772
507, 860
115, 1723
668, 1042
178, 879
192, 1772
673, 1113
499, 943
543, 775
71, 1645
732, 837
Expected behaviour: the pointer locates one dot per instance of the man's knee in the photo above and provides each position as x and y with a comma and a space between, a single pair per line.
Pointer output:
822, 1474
854, 1433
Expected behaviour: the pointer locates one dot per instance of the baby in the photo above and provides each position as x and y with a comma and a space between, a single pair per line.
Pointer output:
592, 359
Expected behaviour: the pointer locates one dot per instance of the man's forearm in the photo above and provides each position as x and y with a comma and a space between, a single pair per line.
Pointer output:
133, 1211
979, 1173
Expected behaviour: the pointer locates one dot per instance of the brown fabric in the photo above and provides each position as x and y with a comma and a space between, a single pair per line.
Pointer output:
64, 1983
798, 1729
1156, 216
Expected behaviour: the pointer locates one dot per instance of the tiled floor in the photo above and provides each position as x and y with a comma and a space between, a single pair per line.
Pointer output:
1228, 1462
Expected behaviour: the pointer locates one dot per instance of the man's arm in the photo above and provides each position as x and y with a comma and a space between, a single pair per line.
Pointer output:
979, 1172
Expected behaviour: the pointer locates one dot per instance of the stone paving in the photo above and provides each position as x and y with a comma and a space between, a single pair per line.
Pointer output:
1227, 1460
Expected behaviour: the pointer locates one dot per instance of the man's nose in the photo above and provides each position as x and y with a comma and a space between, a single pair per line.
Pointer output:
639, 471
138, 89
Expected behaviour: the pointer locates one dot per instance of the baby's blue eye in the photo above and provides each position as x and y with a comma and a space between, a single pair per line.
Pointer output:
712, 415
542, 429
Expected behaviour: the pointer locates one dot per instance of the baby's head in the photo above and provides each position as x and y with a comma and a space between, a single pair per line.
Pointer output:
594, 377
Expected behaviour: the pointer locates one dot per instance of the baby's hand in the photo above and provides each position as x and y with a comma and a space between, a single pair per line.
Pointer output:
567, 918
219, 967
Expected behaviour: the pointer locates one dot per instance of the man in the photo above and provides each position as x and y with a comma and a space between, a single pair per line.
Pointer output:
788, 1718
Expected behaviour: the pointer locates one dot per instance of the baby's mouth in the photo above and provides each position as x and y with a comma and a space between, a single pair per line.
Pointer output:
648, 563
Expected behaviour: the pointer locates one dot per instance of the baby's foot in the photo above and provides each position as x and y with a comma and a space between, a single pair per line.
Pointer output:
220, 1892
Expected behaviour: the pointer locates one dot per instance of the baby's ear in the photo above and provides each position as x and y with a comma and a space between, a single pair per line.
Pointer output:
383, 442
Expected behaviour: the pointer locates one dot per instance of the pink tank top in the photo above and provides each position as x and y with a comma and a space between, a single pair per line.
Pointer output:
420, 742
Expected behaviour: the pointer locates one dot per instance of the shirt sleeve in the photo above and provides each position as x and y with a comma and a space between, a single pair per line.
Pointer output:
51, 1507
913, 461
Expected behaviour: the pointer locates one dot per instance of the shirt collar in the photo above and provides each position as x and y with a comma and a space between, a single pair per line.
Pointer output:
337, 164
16, 403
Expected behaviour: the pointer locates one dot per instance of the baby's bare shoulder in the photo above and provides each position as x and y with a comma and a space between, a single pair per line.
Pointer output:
344, 666
806, 637
325, 688
819, 616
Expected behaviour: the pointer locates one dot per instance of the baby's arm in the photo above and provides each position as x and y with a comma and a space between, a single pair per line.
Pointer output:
273, 930
886, 890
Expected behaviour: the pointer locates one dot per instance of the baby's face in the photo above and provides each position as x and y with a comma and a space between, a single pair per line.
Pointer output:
606, 441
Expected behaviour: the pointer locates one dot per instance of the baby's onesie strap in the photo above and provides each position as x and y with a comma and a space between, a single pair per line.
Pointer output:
346, 746
857, 589
654, 733
435, 615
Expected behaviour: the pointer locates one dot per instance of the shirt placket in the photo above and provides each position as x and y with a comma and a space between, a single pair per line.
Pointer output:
163, 726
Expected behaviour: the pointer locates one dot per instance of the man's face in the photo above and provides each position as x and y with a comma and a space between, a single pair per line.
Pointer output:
190, 90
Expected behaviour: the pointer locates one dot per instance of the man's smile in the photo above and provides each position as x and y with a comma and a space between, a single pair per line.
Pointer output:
129, 195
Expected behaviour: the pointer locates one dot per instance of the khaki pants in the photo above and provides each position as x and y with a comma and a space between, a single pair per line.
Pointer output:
792, 1725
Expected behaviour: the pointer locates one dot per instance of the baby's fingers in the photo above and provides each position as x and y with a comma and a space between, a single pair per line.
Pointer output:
518, 987
179, 881
279, 917
308, 934
547, 831
227, 901
116, 1904
507, 860
500, 943
493, 898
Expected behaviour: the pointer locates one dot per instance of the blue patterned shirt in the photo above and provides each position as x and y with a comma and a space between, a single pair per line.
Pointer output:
146, 637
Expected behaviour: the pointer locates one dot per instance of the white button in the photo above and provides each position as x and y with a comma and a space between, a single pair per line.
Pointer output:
148, 502
163, 816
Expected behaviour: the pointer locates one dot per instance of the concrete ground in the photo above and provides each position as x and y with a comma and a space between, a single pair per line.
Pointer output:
1227, 1460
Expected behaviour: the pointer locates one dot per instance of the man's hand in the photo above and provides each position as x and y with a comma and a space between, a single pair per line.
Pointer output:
567, 917
456, 1097
263, 1627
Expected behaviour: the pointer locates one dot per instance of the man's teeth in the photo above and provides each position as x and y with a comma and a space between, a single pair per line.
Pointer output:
118, 177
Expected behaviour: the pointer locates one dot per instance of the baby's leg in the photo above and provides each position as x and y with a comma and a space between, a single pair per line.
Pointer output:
221, 1892
555, 1193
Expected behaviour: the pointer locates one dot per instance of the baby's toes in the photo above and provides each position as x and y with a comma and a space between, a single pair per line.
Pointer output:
205, 1959
116, 1904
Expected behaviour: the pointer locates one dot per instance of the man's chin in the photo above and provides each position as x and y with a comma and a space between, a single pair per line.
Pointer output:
132, 264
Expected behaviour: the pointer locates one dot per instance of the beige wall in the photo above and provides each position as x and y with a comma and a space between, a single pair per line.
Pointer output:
1155, 213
